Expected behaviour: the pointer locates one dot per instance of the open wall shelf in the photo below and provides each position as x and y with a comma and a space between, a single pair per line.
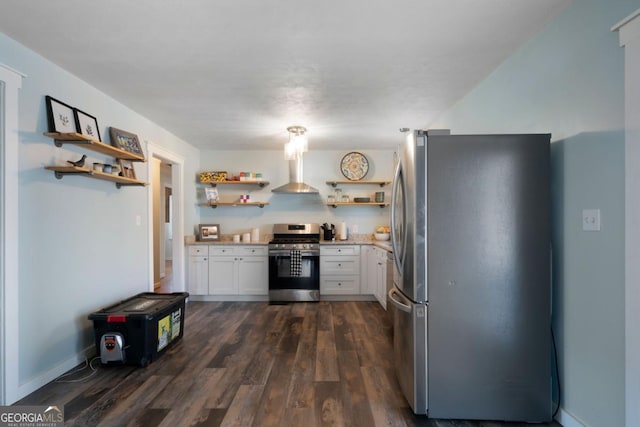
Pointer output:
380, 183
234, 204
94, 145
98, 147
120, 181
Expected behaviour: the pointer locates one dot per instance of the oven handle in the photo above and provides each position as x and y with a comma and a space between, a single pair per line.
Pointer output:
287, 253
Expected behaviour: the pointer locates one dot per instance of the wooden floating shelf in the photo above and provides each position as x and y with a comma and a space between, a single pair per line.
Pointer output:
61, 171
380, 183
94, 145
234, 204
336, 204
260, 183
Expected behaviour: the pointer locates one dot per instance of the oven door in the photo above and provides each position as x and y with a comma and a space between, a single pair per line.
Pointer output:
292, 283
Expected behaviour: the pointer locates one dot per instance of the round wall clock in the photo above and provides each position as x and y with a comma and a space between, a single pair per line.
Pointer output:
354, 166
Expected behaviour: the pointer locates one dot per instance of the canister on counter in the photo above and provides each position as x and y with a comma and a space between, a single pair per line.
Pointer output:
255, 235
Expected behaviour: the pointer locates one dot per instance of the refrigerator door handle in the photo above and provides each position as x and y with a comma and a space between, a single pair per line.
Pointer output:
397, 304
394, 192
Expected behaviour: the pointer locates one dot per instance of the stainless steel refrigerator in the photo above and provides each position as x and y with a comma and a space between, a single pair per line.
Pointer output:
471, 302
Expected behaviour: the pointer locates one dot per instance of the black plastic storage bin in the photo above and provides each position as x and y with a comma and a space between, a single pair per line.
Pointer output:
138, 330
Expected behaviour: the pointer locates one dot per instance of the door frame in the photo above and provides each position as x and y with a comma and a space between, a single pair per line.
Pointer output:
10, 83
177, 229
629, 36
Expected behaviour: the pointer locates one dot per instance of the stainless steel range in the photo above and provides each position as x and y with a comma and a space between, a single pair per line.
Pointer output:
294, 263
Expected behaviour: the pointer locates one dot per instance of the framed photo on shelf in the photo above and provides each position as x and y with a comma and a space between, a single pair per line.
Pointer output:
209, 231
60, 116
212, 195
87, 125
126, 169
125, 140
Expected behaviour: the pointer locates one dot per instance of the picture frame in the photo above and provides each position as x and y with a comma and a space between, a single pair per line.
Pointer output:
87, 124
126, 169
126, 141
60, 116
209, 231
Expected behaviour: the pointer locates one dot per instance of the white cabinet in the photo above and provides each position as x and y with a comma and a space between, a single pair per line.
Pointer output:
198, 270
222, 275
366, 282
253, 273
381, 276
339, 269
377, 279
238, 270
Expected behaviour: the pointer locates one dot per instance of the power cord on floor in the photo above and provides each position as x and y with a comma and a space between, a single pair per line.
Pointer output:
87, 364
555, 358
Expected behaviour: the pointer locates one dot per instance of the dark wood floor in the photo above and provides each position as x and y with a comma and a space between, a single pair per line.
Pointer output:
244, 364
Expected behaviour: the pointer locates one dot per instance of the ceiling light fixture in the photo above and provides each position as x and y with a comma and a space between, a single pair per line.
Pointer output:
298, 143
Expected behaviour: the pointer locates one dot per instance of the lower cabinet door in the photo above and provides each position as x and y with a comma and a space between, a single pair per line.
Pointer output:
222, 275
253, 274
198, 275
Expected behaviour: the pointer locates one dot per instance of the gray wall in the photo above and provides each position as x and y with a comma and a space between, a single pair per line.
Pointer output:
80, 248
569, 81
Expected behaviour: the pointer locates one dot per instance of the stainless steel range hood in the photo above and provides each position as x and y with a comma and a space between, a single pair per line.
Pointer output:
295, 184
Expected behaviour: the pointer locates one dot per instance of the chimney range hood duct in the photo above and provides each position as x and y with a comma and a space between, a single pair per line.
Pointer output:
295, 184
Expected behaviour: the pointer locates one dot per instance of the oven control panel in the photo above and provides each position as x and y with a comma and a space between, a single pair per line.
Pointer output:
289, 246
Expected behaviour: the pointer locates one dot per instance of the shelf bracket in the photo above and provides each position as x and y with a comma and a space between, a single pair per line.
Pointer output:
59, 142
122, 184
59, 174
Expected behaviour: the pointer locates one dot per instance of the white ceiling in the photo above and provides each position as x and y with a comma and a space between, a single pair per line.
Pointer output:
234, 74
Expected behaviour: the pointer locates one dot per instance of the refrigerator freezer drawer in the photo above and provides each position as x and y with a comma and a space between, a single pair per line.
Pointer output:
410, 348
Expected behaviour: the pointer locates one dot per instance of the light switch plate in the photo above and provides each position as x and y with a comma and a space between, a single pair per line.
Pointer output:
591, 220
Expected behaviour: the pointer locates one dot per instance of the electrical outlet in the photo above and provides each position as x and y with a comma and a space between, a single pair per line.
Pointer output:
354, 228
591, 220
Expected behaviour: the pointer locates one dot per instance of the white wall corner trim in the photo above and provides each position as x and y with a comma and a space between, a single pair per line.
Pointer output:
629, 34
10, 84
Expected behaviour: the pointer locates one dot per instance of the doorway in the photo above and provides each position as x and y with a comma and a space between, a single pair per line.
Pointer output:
165, 172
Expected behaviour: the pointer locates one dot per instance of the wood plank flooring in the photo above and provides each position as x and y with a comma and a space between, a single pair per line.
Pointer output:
254, 364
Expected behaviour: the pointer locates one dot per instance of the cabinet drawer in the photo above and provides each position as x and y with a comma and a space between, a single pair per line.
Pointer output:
198, 250
222, 250
251, 250
337, 285
340, 250
339, 265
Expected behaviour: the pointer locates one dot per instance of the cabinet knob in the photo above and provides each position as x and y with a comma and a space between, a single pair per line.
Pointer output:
339, 284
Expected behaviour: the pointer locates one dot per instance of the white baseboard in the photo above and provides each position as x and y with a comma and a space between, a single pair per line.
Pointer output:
568, 420
53, 373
